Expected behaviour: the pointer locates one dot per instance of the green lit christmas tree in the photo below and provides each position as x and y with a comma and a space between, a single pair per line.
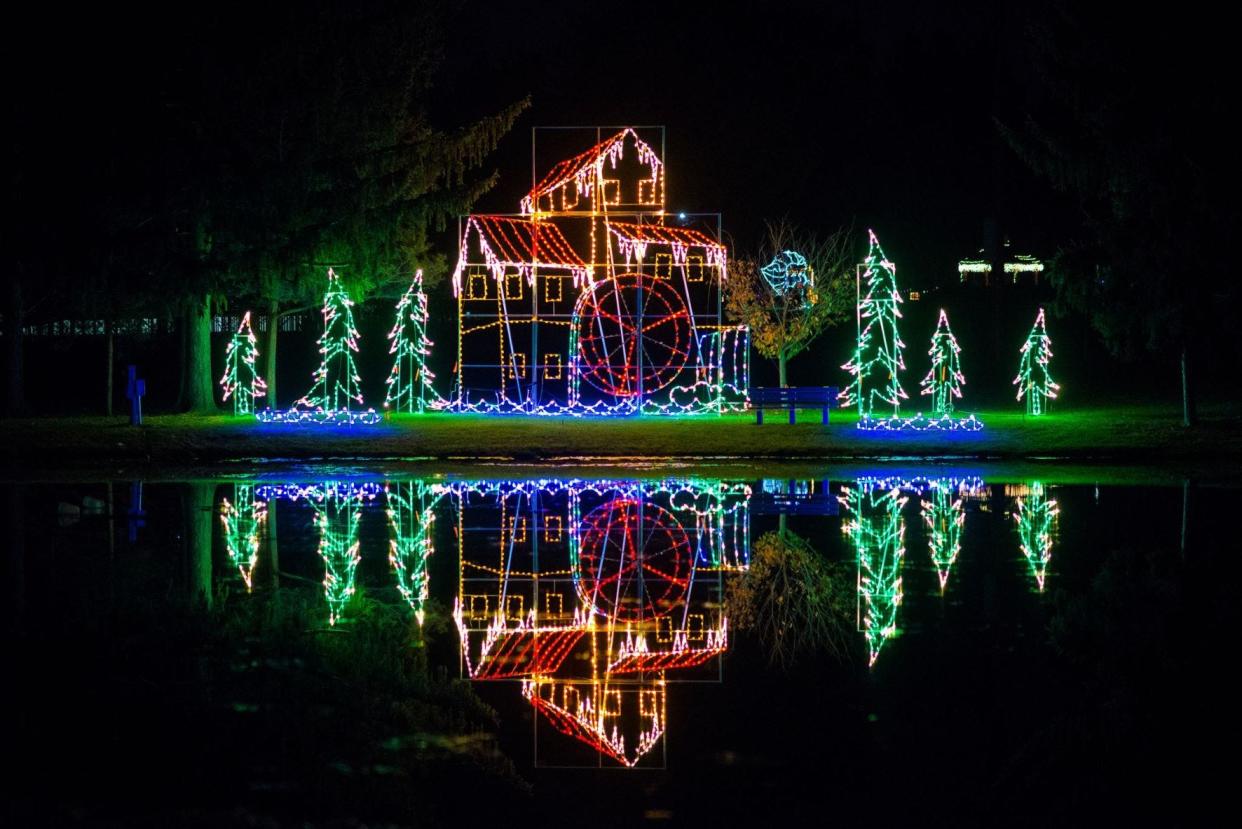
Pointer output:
944, 515
1036, 516
411, 517
409, 384
877, 531
1033, 380
336, 381
337, 515
241, 380
944, 380
877, 360
243, 520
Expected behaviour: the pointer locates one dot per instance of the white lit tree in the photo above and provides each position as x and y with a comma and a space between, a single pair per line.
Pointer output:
877, 361
336, 381
1034, 382
241, 380
409, 383
944, 380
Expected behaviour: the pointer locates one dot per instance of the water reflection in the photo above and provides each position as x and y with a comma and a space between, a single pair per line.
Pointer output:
597, 595
594, 597
243, 519
1036, 516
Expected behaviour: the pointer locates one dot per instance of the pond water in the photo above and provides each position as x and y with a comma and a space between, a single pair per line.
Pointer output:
319, 644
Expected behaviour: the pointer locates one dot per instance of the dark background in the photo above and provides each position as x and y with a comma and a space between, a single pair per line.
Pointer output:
880, 115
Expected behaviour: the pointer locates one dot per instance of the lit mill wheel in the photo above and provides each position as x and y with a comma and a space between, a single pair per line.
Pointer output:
628, 345
634, 560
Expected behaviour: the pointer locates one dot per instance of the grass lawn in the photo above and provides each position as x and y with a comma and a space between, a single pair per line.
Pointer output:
1130, 434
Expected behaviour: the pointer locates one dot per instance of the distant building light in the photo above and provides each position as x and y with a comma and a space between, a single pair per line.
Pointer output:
974, 266
1024, 264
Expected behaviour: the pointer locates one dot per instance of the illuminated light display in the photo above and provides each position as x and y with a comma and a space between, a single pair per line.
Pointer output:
788, 274
876, 529
337, 513
1023, 264
1036, 516
241, 380
598, 592
973, 266
1034, 381
243, 519
921, 423
409, 384
411, 518
944, 514
877, 362
588, 304
634, 560
318, 492
944, 380
335, 392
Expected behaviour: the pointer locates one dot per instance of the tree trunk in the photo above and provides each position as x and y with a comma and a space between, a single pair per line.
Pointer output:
781, 361
1189, 414
199, 386
14, 320
198, 505
108, 361
273, 545
273, 321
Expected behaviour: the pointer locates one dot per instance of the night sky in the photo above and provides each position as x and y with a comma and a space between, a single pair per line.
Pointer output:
881, 114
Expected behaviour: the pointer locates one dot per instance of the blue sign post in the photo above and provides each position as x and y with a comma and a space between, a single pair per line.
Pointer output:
135, 388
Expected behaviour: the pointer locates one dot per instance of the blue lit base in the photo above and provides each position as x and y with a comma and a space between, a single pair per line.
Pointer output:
920, 423
363, 491
319, 417
694, 399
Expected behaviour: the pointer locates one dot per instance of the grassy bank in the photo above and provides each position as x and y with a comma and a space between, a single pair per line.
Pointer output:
1120, 433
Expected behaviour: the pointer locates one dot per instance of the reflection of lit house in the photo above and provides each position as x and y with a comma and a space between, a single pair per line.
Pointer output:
591, 302
554, 591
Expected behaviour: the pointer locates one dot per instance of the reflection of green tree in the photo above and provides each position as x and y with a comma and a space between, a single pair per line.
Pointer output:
337, 515
243, 520
410, 518
877, 530
944, 515
1036, 516
794, 599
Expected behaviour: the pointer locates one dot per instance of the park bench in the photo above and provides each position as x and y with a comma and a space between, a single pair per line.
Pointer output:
792, 398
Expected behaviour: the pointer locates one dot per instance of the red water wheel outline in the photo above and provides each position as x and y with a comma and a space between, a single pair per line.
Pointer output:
630, 575
608, 334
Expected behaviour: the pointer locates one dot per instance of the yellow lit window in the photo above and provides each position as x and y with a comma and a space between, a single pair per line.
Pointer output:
476, 284
553, 527
552, 288
552, 368
513, 286
518, 360
569, 196
663, 265
664, 630
553, 604
514, 607
647, 191
612, 191
695, 270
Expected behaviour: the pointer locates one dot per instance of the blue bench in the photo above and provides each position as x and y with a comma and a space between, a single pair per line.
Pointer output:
792, 398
